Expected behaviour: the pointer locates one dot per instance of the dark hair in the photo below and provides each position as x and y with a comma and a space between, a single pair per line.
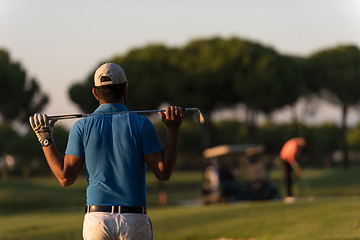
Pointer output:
111, 93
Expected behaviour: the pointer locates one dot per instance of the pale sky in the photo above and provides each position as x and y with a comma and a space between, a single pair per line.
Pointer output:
60, 41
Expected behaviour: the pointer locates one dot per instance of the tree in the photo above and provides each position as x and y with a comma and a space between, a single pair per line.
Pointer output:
265, 80
206, 73
153, 76
9, 139
19, 96
336, 70
150, 74
209, 67
81, 94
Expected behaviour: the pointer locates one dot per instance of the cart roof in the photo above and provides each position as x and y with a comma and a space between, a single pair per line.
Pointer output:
221, 150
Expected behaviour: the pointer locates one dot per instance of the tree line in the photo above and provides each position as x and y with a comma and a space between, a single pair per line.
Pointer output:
218, 72
210, 74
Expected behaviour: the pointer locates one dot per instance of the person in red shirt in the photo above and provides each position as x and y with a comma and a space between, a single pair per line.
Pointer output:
290, 154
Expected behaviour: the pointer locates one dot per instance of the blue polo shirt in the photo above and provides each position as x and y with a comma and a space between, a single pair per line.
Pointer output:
113, 147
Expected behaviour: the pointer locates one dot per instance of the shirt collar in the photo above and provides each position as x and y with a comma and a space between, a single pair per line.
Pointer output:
111, 108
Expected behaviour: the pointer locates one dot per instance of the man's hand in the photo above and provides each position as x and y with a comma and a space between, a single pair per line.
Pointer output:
41, 126
298, 172
172, 118
297, 169
162, 163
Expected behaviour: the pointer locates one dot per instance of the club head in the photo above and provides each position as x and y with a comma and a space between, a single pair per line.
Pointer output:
199, 117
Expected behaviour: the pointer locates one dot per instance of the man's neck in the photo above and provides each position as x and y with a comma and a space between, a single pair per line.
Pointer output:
101, 102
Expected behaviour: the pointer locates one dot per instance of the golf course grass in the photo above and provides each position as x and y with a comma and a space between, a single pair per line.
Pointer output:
38, 208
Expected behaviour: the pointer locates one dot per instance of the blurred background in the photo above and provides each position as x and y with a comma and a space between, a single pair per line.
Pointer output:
261, 72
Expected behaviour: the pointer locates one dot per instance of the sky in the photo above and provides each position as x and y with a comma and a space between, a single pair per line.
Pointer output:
59, 42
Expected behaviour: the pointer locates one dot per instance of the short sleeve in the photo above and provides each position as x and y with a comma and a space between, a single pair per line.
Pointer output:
75, 144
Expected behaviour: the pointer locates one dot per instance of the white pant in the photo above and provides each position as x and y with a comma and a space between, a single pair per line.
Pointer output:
115, 226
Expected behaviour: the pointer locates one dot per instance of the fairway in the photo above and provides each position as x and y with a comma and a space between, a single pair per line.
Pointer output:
41, 226
325, 218
40, 209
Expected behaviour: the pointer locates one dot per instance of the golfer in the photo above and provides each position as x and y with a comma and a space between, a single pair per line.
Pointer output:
290, 154
114, 148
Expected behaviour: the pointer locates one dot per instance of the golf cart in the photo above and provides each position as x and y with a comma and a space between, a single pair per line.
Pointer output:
236, 173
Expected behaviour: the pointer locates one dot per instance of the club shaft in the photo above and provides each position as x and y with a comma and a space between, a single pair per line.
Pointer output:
66, 116
72, 116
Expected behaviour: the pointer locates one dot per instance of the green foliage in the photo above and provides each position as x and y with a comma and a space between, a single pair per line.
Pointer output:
61, 136
31, 157
207, 73
273, 136
322, 142
20, 97
190, 145
266, 80
190, 135
152, 75
353, 138
336, 70
206, 64
230, 132
8, 140
30, 160
81, 95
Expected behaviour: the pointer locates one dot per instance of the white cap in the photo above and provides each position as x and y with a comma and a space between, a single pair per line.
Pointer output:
109, 73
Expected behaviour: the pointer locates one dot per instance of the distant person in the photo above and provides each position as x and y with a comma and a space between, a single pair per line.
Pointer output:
290, 154
114, 149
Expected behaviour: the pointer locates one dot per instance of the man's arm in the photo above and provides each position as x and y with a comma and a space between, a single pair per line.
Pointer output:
162, 163
65, 169
297, 168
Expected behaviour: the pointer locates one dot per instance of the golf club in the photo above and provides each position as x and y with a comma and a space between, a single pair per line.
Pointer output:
199, 116
305, 188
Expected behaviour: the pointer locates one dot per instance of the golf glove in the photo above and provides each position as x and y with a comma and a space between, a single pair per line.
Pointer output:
42, 128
